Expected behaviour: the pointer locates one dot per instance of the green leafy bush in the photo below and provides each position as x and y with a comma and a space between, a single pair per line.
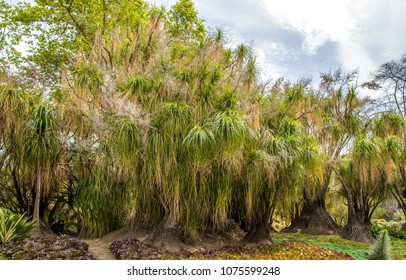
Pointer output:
375, 230
14, 227
392, 231
380, 213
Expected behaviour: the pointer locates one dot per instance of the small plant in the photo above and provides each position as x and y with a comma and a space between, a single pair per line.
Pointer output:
14, 227
381, 248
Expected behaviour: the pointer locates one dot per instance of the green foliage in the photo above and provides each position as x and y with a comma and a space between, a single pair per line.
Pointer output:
183, 21
138, 87
389, 123
376, 230
229, 129
96, 204
380, 213
381, 249
200, 142
64, 28
42, 142
14, 227
88, 77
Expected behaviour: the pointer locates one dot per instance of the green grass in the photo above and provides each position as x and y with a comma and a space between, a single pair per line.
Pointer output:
2, 258
357, 250
398, 248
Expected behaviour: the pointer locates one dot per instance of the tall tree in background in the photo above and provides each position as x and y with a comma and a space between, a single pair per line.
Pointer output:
332, 116
183, 21
390, 128
63, 28
391, 76
363, 183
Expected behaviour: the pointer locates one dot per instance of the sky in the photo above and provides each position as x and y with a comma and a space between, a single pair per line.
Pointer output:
301, 38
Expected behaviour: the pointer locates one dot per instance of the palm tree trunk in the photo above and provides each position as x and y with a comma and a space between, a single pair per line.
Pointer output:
259, 234
314, 218
356, 229
36, 214
260, 229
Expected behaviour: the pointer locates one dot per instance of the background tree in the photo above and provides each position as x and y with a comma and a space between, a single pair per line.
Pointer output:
183, 21
390, 128
391, 76
363, 183
332, 116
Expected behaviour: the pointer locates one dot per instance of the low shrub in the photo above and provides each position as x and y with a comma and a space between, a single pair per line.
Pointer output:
47, 248
393, 230
381, 214
14, 227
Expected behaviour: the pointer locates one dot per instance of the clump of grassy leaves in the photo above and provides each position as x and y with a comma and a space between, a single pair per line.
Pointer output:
381, 249
14, 226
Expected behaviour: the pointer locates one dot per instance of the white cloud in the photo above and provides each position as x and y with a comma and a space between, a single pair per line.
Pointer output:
318, 21
358, 28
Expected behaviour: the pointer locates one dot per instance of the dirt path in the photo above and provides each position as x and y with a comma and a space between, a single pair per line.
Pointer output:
100, 249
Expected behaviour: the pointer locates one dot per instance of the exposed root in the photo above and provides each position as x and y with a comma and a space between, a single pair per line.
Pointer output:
41, 230
357, 232
316, 221
259, 235
172, 238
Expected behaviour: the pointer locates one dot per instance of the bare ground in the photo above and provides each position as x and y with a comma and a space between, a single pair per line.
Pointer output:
100, 249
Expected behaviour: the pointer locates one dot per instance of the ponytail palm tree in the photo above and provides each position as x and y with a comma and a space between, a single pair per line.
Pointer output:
363, 183
333, 118
14, 104
199, 148
41, 152
390, 127
163, 167
259, 193
274, 175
